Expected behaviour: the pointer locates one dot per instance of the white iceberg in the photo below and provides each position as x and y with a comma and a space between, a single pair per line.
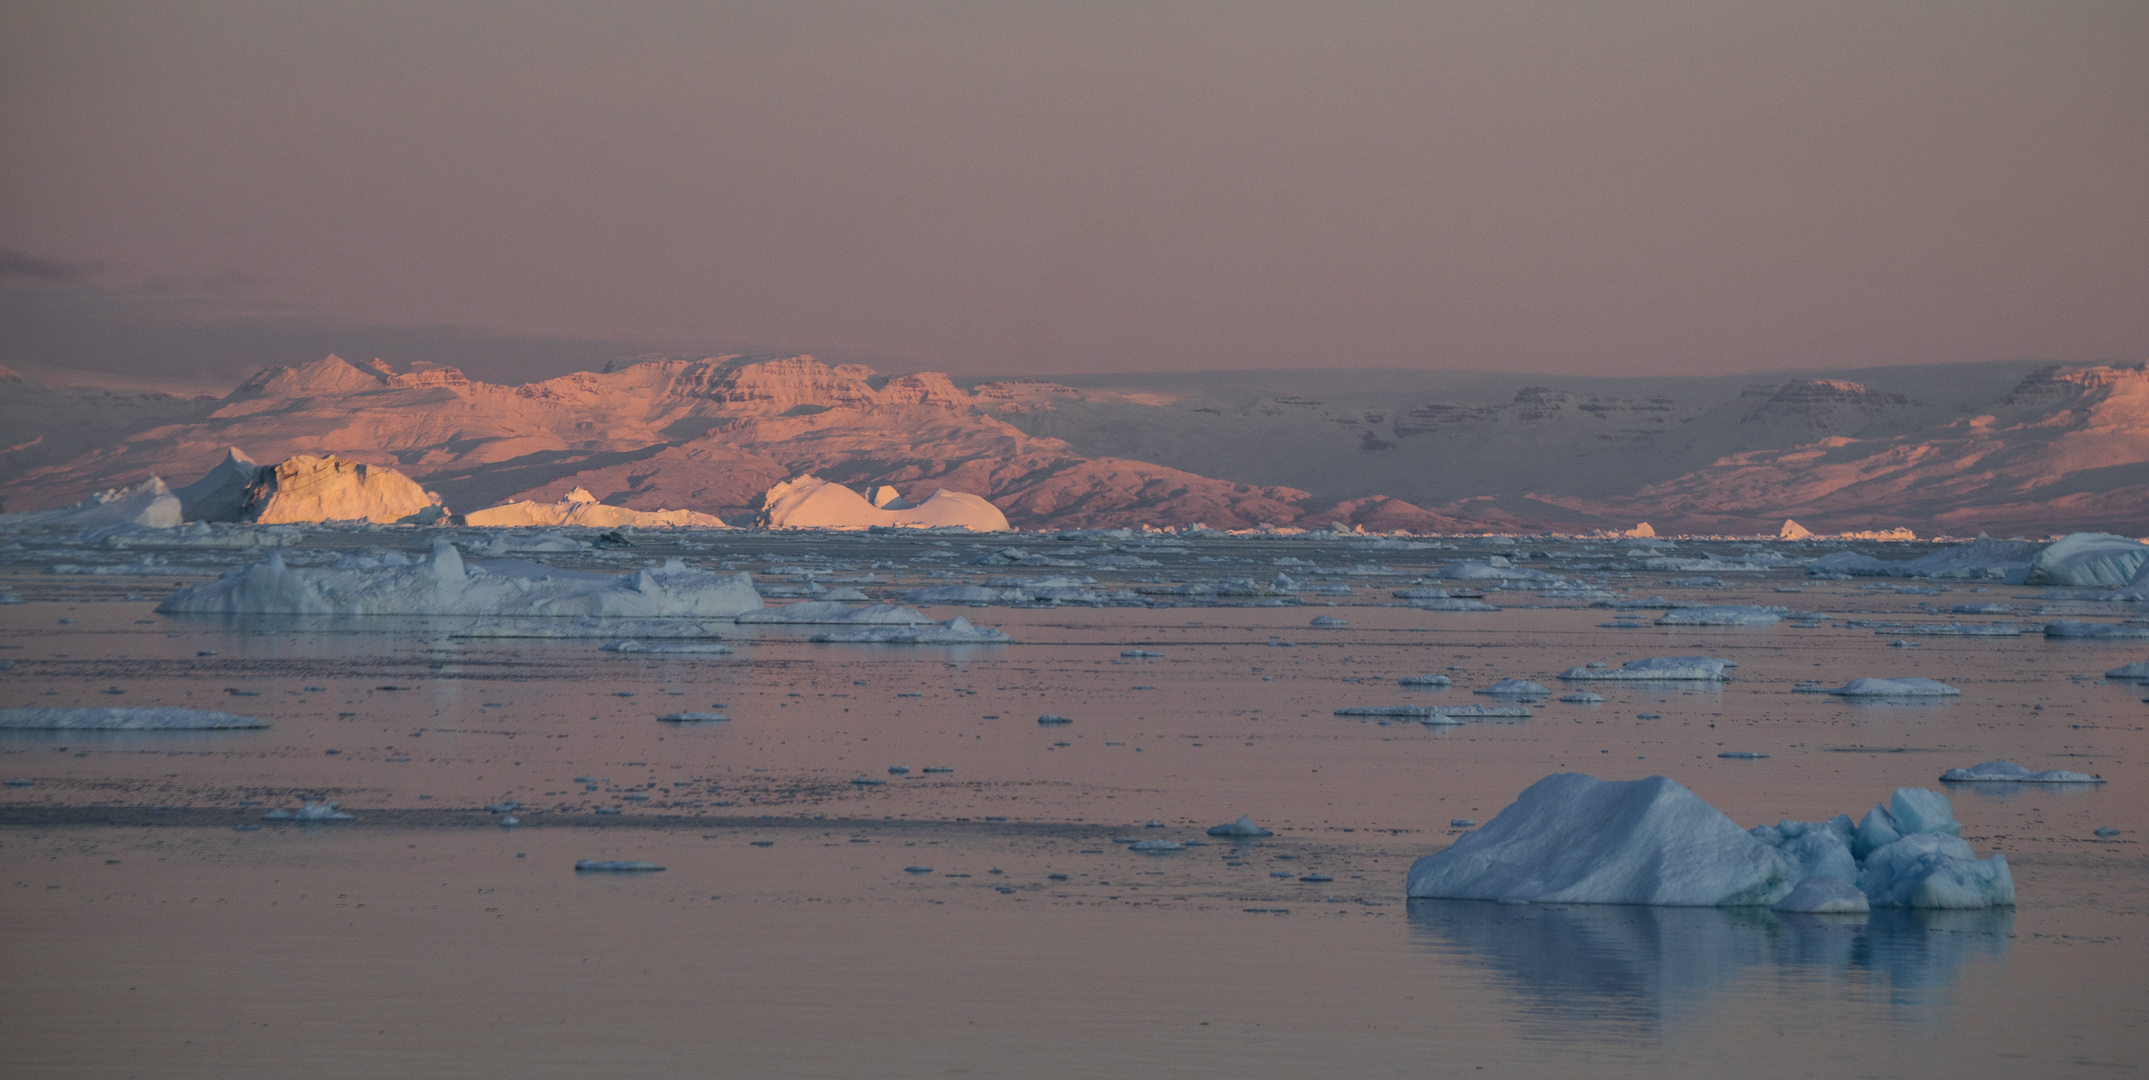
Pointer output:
579, 507
1658, 669
816, 612
811, 503
442, 584
2088, 560
1571, 838
2011, 773
1912, 686
122, 719
148, 503
957, 631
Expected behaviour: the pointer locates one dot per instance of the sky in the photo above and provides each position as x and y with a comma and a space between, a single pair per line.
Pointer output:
1603, 188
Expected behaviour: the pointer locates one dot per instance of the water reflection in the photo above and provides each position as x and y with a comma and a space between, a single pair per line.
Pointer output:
1630, 970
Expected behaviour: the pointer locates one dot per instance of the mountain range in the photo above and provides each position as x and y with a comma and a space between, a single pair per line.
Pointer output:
2003, 447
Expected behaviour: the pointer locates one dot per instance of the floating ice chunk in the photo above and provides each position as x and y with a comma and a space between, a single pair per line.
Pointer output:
1515, 688
956, 594
1657, 669
956, 631
443, 585
2069, 628
614, 866
862, 780
1243, 827
2009, 772
1461, 823
1825, 894
2088, 559
1328, 621
831, 611
1728, 615
2104, 831
309, 811
1495, 568
1411, 711
122, 719
1451, 604
917, 869
503, 807
1983, 609
1425, 680
2137, 670
1743, 755
1140, 654
1583, 698
1929, 870
1458, 714
18, 781
690, 648
1054, 719
1156, 847
1912, 686
1958, 630
631, 629
1909, 811
1571, 838
692, 717
1812, 847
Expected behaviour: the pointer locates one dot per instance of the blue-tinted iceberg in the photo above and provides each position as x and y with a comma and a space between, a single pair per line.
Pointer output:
2007, 772
1575, 839
2088, 560
1895, 688
441, 584
1658, 669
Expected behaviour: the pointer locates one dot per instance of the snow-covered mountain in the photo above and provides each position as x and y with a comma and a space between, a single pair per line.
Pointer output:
2002, 447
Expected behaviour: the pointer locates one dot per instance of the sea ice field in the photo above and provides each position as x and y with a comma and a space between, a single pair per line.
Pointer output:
944, 854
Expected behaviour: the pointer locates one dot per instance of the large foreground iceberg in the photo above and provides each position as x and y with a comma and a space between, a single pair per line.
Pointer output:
2088, 559
123, 719
579, 507
812, 503
1571, 838
441, 584
148, 503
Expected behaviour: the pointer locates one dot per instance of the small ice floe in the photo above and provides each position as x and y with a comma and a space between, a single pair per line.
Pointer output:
693, 717
1725, 615
687, 648
2007, 772
1156, 847
1583, 698
831, 611
1142, 654
615, 866
1912, 686
19, 781
899, 770
2069, 628
862, 780
123, 718
1412, 712
2137, 670
1825, 894
1656, 669
1243, 827
1054, 720
917, 869
956, 631
1983, 609
503, 807
1743, 755
1648, 716
1462, 823
1899, 643
1462, 714
1328, 622
1515, 688
1430, 680
2105, 832
939, 768
310, 811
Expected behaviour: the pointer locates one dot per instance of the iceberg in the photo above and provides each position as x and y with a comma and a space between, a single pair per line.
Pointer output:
442, 584
306, 488
1658, 669
811, 503
957, 631
123, 719
579, 507
222, 495
1906, 687
830, 611
2137, 670
2099, 560
1243, 827
2010, 773
1425, 680
1576, 839
148, 503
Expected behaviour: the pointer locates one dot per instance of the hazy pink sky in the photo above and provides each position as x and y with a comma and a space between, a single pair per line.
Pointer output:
1058, 187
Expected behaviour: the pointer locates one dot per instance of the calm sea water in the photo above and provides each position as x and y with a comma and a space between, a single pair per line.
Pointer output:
147, 936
